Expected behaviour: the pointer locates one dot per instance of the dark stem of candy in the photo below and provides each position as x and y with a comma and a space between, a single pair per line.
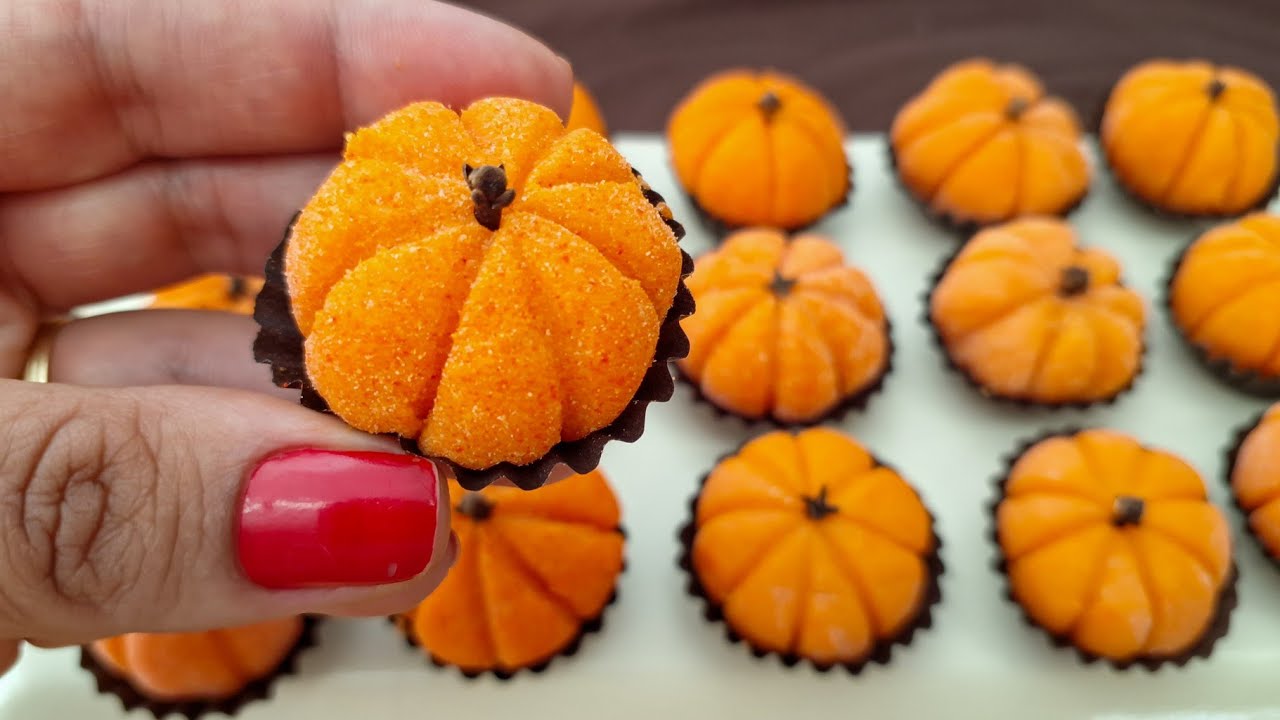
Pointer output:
1215, 88
1075, 281
769, 103
475, 506
489, 192
781, 286
1015, 108
818, 507
1127, 510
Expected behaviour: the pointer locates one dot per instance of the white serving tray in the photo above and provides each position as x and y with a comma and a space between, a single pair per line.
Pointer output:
657, 657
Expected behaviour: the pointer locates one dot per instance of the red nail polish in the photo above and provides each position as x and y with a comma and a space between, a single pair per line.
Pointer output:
319, 518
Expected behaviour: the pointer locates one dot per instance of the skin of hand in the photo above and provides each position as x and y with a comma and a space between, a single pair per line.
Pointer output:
160, 483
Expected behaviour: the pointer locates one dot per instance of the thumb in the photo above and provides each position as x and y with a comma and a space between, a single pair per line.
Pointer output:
168, 509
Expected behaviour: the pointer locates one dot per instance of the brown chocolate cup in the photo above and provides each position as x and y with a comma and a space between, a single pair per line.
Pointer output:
588, 627
280, 344
1218, 625
856, 402
964, 228
881, 653
1026, 403
1249, 382
1232, 453
258, 690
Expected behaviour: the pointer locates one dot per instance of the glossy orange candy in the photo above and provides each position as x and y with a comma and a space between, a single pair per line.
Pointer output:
1029, 315
1193, 138
585, 112
1255, 480
491, 314
535, 568
210, 292
213, 665
983, 144
811, 548
784, 328
759, 149
1113, 546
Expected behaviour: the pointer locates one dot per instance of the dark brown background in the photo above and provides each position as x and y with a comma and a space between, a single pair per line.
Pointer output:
868, 56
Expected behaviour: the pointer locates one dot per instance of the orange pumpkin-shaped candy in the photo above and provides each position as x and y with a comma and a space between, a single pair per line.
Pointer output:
486, 283
1029, 316
809, 548
232, 293
1193, 138
196, 672
585, 112
984, 144
784, 329
1225, 300
1255, 480
1113, 548
535, 571
759, 148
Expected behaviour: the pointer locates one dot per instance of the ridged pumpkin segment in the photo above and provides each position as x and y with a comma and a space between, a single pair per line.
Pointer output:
212, 665
1255, 479
759, 148
1028, 315
1191, 137
784, 329
546, 257
585, 111
982, 144
1225, 291
534, 568
1113, 546
811, 548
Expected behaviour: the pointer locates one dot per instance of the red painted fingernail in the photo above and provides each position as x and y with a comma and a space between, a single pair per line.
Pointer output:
319, 518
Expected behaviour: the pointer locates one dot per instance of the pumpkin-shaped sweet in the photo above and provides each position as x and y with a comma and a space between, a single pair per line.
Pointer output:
535, 571
1225, 300
1192, 138
1113, 548
196, 672
759, 148
983, 144
1255, 480
784, 328
213, 291
486, 284
585, 112
807, 547
1027, 315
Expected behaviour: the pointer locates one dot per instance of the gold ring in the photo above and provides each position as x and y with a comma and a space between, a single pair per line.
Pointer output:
37, 367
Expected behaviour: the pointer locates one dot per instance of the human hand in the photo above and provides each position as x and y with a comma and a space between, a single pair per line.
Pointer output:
145, 142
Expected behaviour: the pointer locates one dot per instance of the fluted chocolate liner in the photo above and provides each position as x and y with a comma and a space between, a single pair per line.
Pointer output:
588, 627
881, 653
1218, 625
1249, 382
926, 317
1232, 453
280, 344
257, 690
855, 402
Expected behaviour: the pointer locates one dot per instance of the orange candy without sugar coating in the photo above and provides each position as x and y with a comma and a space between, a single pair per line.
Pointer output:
1225, 295
1113, 546
1193, 138
1255, 480
214, 665
485, 345
585, 112
983, 144
1028, 315
810, 548
784, 328
210, 292
534, 568
759, 149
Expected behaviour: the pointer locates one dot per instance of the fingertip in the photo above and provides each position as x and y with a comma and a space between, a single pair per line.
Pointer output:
9, 651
